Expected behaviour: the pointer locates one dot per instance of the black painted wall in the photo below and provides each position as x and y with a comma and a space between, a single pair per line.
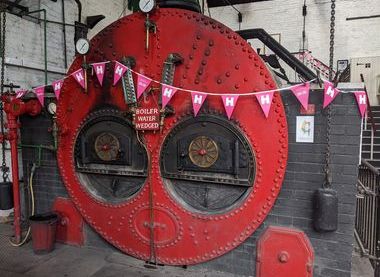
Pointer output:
293, 208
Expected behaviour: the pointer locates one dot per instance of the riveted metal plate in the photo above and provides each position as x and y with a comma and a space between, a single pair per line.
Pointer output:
215, 59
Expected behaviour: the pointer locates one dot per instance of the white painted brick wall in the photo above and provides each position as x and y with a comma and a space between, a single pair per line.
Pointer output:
357, 38
24, 45
25, 39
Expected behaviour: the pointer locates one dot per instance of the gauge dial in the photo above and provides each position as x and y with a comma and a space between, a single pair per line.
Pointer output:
52, 108
83, 46
146, 6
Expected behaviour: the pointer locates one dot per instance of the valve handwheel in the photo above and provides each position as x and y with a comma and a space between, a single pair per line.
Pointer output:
203, 151
107, 147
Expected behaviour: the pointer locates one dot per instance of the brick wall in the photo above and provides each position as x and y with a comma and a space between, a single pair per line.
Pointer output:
47, 181
356, 38
304, 175
293, 208
24, 50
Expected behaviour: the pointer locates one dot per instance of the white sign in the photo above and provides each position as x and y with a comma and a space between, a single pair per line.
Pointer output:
305, 129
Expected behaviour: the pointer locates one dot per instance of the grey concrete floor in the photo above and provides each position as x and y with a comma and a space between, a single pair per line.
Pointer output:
361, 267
69, 261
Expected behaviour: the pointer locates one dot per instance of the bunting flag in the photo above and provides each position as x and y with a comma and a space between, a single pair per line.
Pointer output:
330, 92
40, 93
99, 69
361, 99
167, 94
265, 101
79, 77
197, 99
302, 94
229, 102
57, 85
301, 91
142, 83
20, 93
118, 71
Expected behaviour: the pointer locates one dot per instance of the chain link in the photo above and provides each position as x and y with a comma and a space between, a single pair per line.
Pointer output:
4, 167
328, 174
329, 113
332, 38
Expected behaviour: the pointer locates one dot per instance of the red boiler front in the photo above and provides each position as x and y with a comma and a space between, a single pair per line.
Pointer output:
198, 187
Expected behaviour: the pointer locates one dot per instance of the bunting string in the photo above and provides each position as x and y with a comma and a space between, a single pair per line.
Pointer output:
264, 98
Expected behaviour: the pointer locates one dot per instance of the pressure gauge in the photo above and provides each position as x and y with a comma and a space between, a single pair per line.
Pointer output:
83, 46
52, 108
146, 6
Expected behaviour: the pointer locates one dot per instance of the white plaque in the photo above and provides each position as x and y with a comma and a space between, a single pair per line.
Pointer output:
305, 129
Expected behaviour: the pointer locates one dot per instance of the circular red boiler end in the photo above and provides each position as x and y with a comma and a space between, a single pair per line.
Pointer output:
213, 180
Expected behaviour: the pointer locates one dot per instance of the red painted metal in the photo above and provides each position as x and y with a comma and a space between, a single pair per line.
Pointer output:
70, 222
17, 107
43, 228
13, 108
283, 252
215, 60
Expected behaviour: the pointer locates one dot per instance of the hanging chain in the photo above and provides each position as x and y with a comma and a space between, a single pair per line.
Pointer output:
4, 167
332, 38
328, 174
329, 113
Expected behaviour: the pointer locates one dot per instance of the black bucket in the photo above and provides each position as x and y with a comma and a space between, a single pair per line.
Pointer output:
6, 196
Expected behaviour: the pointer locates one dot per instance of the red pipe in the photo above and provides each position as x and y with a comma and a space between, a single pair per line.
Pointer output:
12, 137
13, 109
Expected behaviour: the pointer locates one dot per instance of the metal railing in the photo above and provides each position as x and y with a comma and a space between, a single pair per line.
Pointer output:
365, 127
367, 222
369, 117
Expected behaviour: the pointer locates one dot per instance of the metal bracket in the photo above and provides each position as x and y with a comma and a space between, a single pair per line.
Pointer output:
168, 71
127, 81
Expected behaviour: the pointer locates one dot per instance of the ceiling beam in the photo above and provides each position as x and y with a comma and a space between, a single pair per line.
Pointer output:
221, 3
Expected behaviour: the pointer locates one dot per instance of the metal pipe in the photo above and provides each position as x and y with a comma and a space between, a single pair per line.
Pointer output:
13, 137
45, 40
34, 68
13, 109
372, 142
360, 243
279, 50
79, 10
51, 21
64, 32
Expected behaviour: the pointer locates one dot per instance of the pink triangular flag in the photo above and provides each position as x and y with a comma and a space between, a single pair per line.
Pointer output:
197, 98
361, 99
329, 94
229, 102
167, 94
265, 101
118, 72
142, 83
20, 93
57, 85
40, 93
302, 94
79, 77
99, 69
